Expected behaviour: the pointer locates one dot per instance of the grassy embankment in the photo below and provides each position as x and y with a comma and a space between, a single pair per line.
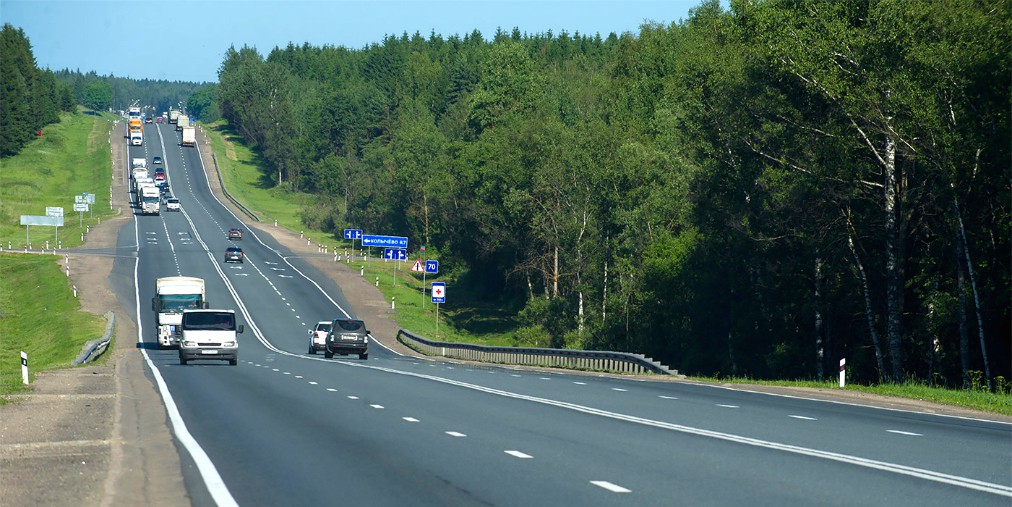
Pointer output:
462, 323
38, 312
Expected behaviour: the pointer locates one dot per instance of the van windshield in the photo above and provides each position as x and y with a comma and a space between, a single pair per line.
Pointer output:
176, 303
209, 321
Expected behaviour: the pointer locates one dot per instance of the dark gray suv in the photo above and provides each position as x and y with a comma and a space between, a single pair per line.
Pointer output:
347, 336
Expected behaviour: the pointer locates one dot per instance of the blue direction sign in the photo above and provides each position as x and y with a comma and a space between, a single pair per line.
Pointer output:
390, 241
431, 266
395, 254
438, 292
353, 234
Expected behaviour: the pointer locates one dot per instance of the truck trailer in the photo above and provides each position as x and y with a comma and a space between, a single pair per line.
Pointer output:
189, 136
150, 198
173, 294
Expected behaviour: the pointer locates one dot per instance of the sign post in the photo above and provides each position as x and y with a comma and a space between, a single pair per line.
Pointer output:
353, 234
398, 254
438, 296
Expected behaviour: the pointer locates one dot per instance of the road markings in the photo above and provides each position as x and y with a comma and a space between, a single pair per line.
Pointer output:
331, 389
275, 369
287, 373
377, 407
803, 418
410, 419
544, 378
518, 454
614, 488
580, 383
619, 389
898, 432
312, 383
727, 406
456, 434
298, 376
667, 397
352, 397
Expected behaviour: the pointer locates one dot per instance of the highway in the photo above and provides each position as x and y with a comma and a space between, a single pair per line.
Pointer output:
287, 428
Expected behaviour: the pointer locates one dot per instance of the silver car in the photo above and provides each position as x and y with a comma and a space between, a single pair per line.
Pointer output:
318, 336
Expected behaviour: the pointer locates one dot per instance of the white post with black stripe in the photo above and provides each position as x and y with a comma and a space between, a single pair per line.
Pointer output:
24, 368
842, 372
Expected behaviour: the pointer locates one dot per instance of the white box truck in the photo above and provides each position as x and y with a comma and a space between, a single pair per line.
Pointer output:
209, 334
189, 136
182, 122
150, 200
173, 295
136, 138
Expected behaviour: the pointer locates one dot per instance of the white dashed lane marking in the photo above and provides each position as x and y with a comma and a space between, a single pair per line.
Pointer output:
456, 434
619, 389
727, 406
410, 419
667, 397
378, 407
907, 433
803, 418
614, 488
518, 454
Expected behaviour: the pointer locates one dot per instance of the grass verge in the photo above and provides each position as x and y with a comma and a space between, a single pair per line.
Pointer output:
40, 316
71, 157
976, 398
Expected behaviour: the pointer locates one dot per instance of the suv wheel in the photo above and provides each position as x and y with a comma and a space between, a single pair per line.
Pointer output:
312, 350
328, 354
182, 360
364, 356
233, 362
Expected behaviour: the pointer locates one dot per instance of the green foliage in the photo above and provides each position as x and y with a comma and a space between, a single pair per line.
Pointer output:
97, 96
709, 193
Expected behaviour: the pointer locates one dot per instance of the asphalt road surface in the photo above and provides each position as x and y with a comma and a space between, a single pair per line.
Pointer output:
287, 428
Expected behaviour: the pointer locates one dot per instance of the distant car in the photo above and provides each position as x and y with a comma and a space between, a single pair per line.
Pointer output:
172, 204
234, 254
235, 234
158, 119
157, 161
148, 120
347, 336
318, 336
165, 197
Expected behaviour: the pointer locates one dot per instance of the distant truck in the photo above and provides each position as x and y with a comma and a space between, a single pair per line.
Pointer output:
189, 136
150, 198
173, 116
173, 295
209, 334
138, 163
136, 138
182, 122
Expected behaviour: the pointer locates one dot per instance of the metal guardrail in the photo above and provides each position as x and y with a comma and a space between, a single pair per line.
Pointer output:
94, 348
228, 195
593, 360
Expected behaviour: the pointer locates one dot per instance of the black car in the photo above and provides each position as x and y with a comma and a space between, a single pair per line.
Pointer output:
347, 336
233, 254
235, 234
157, 161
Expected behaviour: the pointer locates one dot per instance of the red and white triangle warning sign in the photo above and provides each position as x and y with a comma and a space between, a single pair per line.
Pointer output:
418, 268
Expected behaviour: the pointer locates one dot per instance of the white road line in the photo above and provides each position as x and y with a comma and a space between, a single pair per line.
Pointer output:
667, 397
275, 369
518, 454
378, 407
898, 432
514, 375
298, 376
614, 488
456, 434
331, 389
544, 378
352, 397
803, 418
619, 389
312, 383
287, 373
727, 406
580, 383
410, 419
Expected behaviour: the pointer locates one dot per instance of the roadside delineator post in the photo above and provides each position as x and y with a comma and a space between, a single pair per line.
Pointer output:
842, 372
393, 302
24, 368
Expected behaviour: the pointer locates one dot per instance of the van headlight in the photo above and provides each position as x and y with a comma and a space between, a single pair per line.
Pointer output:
189, 343
229, 344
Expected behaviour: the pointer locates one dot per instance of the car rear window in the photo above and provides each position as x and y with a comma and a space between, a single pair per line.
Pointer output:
350, 325
323, 327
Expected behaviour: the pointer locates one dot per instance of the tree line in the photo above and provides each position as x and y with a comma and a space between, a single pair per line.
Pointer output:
30, 98
103, 93
756, 191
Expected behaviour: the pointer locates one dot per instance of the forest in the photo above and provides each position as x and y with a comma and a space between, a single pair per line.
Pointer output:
30, 98
759, 191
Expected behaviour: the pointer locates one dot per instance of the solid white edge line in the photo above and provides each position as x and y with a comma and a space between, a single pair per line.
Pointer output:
212, 480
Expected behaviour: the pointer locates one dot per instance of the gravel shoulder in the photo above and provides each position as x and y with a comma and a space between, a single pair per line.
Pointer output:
99, 434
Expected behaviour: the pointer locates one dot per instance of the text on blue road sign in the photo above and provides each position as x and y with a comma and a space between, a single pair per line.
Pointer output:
391, 241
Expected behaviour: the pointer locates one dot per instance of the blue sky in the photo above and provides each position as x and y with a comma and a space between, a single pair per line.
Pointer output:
186, 40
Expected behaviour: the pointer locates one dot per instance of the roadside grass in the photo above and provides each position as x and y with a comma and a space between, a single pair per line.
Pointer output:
465, 318
70, 158
977, 397
40, 316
